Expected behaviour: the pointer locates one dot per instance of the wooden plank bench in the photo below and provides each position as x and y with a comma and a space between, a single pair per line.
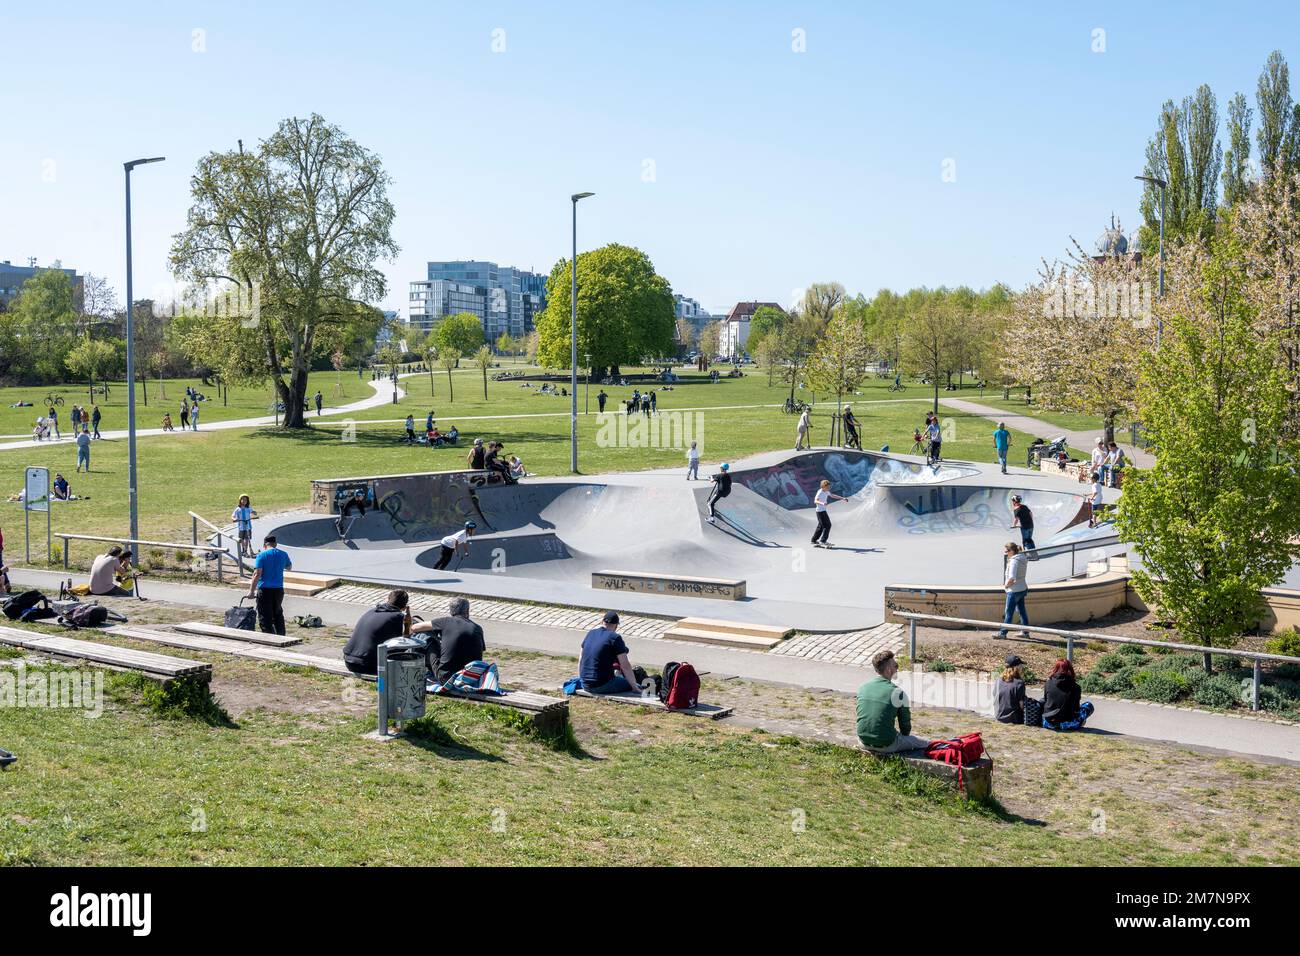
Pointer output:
158, 666
978, 776
549, 714
236, 634
711, 711
679, 585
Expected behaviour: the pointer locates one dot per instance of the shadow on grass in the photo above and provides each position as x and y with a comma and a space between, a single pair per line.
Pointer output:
391, 437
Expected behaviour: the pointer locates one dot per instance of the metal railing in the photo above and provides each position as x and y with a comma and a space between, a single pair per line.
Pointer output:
1071, 548
195, 520
1070, 636
137, 542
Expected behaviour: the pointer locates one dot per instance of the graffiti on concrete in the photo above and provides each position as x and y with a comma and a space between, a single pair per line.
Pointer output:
793, 483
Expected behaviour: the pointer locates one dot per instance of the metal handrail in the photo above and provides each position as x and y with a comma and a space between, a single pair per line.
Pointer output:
1070, 547
165, 545
1256, 656
194, 535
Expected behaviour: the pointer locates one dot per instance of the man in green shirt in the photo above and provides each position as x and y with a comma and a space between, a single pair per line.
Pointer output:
880, 701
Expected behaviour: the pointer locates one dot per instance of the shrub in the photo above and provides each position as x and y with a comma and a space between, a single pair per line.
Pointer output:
1158, 686
940, 665
1132, 650
184, 557
1121, 681
1093, 683
157, 555
1286, 643
1219, 691
1275, 700
1285, 671
1110, 662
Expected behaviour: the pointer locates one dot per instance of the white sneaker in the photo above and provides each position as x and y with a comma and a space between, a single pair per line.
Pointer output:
712, 520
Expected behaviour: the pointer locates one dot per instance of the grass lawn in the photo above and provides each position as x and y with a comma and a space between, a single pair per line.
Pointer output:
1064, 420
297, 784
241, 402
208, 470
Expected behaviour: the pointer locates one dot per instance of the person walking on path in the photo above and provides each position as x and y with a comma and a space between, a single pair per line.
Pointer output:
601, 399
821, 537
801, 431
194, 417
1023, 518
1002, 442
95, 416
1015, 586
320, 400
452, 544
693, 462
267, 586
851, 428
54, 422
83, 450
654, 402
185, 414
721, 488
75, 417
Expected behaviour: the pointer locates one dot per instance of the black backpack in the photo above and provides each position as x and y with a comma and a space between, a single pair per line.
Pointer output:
85, 615
27, 606
666, 681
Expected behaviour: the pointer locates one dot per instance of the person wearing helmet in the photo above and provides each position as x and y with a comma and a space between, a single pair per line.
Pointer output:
721, 488
452, 544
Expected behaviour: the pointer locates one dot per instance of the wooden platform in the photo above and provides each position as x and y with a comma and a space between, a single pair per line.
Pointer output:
710, 711
120, 658
307, 584
724, 589
237, 634
702, 630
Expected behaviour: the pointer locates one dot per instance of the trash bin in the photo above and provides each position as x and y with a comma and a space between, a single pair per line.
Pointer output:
401, 670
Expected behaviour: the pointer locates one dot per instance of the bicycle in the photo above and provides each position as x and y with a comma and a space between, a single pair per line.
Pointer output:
51, 400
896, 387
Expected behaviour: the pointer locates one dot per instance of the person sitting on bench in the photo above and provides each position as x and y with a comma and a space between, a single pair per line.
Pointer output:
605, 667
109, 573
1061, 707
456, 643
880, 704
383, 622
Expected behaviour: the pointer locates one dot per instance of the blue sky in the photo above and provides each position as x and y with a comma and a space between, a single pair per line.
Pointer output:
771, 168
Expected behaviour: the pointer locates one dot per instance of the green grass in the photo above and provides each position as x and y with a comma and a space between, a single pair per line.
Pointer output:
207, 471
1070, 421
130, 788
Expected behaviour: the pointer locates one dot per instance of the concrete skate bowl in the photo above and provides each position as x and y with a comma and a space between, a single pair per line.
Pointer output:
793, 482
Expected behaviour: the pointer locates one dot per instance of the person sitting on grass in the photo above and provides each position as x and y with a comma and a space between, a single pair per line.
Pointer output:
453, 434
1009, 693
388, 619
605, 667
516, 468
61, 491
1061, 707
433, 437
881, 704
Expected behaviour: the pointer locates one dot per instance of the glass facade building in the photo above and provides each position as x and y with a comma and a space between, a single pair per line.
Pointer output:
504, 298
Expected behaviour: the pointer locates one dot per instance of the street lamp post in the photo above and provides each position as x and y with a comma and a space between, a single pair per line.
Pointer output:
132, 496
1160, 287
573, 341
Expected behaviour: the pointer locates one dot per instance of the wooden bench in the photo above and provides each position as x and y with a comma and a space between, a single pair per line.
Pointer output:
548, 714
977, 777
711, 711
237, 634
680, 585
156, 666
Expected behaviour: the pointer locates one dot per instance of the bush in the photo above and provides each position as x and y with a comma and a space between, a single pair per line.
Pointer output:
184, 557
1286, 643
1121, 681
1285, 671
1159, 686
1132, 650
940, 665
1276, 700
1220, 691
1110, 662
1093, 683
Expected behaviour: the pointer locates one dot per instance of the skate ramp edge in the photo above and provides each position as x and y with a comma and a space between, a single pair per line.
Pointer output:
645, 582
1075, 601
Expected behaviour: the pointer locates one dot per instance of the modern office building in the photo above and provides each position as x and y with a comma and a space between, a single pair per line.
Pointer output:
12, 278
504, 298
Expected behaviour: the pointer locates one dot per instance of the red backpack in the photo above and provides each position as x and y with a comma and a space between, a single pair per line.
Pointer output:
680, 687
960, 751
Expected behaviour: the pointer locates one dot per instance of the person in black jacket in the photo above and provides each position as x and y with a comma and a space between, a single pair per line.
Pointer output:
1061, 707
1009, 693
721, 488
386, 620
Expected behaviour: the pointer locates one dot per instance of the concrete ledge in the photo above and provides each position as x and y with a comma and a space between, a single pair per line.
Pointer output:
1074, 601
720, 588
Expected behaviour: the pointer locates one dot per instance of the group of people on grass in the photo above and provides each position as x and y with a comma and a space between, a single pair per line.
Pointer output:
487, 456
433, 436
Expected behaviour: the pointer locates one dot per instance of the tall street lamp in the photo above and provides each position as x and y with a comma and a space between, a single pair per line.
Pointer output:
1160, 288
573, 341
130, 357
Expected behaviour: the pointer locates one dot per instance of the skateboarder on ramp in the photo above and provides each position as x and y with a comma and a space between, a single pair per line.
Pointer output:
721, 488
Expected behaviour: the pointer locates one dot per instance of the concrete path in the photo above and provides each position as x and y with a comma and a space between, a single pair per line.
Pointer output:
1267, 740
1038, 427
382, 396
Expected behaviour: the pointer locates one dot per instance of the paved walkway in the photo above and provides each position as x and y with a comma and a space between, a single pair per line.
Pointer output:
1036, 426
1232, 734
382, 396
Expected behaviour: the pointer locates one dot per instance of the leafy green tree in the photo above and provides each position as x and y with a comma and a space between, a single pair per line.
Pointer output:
483, 359
1186, 154
93, 359
40, 329
820, 300
462, 332
1215, 519
765, 321
296, 226
1279, 118
930, 340
449, 358
506, 344
625, 310
838, 363
1236, 160
793, 347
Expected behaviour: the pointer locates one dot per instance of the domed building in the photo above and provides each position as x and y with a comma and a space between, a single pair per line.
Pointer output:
1113, 244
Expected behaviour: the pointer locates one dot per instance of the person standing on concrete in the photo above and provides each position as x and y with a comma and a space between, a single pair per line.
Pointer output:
721, 488
320, 400
267, 586
1002, 442
601, 399
801, 431
881, 704
54, 422
821, 537
83, 450
1023, 518
452, 544
1015, 586
94, 420
693, 462
194, 417
356, 503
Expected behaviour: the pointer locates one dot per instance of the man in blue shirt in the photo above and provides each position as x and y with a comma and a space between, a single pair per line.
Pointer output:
267, 586
601, 648
1002, 441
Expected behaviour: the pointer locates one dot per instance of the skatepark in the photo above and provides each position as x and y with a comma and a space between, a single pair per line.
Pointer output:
542, 540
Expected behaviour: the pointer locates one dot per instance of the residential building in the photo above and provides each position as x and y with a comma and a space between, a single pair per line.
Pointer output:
505, 299
12, 278
735, 328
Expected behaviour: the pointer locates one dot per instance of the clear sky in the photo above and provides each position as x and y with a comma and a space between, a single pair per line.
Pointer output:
744, 168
